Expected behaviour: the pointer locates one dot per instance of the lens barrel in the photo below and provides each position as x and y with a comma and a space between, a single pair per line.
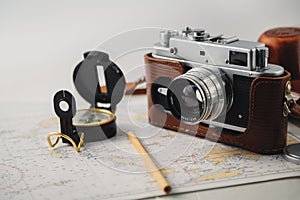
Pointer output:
200, 94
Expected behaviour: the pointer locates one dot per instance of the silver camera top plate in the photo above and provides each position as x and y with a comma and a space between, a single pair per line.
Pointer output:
197, 46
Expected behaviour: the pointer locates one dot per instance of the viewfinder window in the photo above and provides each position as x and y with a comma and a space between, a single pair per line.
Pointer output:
238, 58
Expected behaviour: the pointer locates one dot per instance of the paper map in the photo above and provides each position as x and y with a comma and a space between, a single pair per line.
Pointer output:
111, 169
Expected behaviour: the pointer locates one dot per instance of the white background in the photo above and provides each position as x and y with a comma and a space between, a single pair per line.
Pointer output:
42, 41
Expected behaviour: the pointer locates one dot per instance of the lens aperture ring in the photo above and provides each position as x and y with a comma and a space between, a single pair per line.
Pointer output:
217, 91
209, 90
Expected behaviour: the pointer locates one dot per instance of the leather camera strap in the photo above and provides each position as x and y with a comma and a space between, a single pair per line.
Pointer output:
132, 88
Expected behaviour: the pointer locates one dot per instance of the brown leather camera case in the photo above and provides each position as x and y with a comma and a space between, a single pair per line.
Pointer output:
284, 47
267, 127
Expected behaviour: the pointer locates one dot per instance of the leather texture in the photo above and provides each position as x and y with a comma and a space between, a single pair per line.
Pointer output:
295, 109
130, 89
284, 47
296, 85
267, 127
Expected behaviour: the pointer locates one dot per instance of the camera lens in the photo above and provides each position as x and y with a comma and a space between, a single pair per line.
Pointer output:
200, 94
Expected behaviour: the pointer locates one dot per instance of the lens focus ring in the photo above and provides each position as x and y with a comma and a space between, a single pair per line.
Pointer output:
198, 95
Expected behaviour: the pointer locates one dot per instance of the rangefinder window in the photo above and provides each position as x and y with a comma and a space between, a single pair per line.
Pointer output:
238, 58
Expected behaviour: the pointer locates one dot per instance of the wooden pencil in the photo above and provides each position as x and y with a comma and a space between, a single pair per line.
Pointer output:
154, 170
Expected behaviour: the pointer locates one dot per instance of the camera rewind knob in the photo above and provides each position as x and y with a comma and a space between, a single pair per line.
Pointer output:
198, 34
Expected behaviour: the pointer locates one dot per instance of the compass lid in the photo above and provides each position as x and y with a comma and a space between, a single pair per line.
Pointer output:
87, 83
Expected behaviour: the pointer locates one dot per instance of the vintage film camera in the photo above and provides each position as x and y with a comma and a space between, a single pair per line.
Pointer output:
195, 80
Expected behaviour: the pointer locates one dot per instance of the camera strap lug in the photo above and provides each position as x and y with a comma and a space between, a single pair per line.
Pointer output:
286, 109
291, 105
289, 100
